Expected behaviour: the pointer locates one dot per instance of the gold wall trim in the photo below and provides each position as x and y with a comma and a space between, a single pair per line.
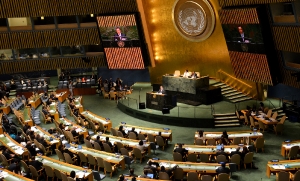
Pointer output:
9, 67
227, 3
287, 38
239, 16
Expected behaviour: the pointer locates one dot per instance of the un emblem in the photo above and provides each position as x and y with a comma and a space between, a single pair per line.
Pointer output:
194, 20
121, 44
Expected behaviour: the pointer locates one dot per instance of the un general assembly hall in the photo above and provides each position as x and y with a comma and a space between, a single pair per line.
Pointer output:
142, 90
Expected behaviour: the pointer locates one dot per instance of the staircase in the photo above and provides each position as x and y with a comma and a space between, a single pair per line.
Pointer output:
280, 113
231, 94
226, 120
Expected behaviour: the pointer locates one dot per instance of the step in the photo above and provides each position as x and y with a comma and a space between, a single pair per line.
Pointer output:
227, 92
224, 86
226, 89
225, 114
241, 99
227, 121
233, 94
228, 125
235, 97
225, 118
219, 84
277, 108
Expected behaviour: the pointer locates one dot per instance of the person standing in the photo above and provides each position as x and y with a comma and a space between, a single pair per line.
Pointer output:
71, 88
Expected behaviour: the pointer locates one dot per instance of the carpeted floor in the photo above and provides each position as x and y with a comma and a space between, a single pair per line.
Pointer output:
108, 108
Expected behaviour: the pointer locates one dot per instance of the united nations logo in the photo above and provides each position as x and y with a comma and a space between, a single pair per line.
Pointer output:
121, 44
194, 20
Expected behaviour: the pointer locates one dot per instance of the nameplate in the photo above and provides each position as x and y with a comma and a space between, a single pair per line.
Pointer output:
153, 102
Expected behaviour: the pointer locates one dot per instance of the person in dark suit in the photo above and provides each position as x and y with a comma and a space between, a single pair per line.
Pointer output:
36, 164
163, 169
14, 167
108, 142
237, 151
181, 150
31, 148
133, 130
161, 90
242, 36
223, 169
131, 173
99, 141
221, 152
122, 131
119, 35
75, 134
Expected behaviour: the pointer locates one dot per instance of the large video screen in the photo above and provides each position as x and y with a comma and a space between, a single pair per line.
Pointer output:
244, 38
120, 39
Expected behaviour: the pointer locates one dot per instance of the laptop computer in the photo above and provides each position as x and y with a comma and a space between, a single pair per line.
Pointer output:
219, 147
79, 147
150, 175
68, 146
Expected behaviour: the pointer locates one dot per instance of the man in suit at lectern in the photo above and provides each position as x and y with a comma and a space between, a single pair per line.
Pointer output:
119, 35
161, 90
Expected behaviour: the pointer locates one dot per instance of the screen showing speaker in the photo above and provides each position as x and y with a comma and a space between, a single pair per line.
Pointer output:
121, 41
244, 38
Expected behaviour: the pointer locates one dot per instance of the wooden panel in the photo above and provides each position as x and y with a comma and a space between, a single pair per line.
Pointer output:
251, 66
5, 42
8, 67
21, 40
226, 3
239, 16
287, 38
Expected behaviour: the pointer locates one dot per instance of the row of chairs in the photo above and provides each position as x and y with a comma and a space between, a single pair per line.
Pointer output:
61, 109
18, 103
35, 115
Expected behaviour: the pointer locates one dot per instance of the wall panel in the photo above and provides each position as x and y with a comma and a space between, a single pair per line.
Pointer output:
287, 38
239, 16
5, 42
226, 3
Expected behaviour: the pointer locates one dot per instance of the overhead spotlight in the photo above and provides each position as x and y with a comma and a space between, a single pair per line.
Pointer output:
92, 15
42, 17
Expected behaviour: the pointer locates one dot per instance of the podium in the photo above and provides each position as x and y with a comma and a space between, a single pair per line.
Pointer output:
159, 101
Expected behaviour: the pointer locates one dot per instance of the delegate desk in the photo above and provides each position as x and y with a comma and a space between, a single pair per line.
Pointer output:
13, 146
286, 146
50, 139
53, 112
209, 150
159, 101
78, 104
62, 96
69, 125
6, 108
128, 178
231, 135
263, 118
109, 157
205, 168
96, 119
284, 165
126, 142
65, 167
183, 84
26, 118
35, 100
7, 175
166, 133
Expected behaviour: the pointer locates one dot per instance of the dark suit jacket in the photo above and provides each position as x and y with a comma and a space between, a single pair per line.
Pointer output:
236, 152
74, 133
161, 91
31, 149
117, 37
182, 151
222, 170
36, 164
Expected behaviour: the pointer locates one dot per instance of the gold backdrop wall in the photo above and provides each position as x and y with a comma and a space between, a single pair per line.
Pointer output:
173, 52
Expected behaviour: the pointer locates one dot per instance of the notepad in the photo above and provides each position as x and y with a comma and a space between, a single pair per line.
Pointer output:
278, 166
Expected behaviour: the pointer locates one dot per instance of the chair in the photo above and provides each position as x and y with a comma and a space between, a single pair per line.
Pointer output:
296, 176
232, 168
49, 172
236, 158
132, 135
45, 150
160, 142
102, 127
46, 120
105, 94
275, 114
5, 163
211, 142
138, 154
114, 132
282, 176
57, 174
100, 163
223, 177
192, 176
64, 176
141, 137
120, 134
246, 120
259, 144
88, 143
177, 73
92, 161
282, 120
278, 128
97, 146
25, 167
237, 140
82, 158
163, 176
150, 138
192, 157
248, 159
204, 158
177, 157
293, 152
109, 168
34, 173
112, 95
206, 178
60, 155
241, 118
262, 126
107, 148
252, 123
269, 113
96, 175
69, 159
221, 158
178, 174
199, 142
